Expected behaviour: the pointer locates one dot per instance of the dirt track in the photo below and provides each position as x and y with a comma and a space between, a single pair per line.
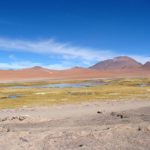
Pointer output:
115, 125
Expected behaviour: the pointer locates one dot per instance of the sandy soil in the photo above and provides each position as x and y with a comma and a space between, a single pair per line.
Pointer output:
109, 125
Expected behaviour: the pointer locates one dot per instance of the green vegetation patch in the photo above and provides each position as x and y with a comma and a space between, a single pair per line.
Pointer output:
117, 89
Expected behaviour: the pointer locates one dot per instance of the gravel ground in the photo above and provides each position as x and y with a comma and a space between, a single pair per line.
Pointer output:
109, 125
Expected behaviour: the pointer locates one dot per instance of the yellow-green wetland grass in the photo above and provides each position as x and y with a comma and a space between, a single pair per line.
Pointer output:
16, 95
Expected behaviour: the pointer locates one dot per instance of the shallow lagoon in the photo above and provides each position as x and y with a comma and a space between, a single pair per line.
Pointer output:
64, 85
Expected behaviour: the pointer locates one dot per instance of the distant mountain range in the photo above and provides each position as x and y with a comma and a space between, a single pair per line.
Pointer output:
122, 66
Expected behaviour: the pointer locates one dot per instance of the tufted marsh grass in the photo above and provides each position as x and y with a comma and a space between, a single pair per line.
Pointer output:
116, 89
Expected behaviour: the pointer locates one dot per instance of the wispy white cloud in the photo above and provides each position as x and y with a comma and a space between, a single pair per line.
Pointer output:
141, 58
18, 65
51, 46
71, 55
29, 64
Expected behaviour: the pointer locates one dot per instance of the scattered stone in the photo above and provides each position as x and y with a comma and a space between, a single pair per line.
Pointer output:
21, 118
107, 128
23, 139
113, 113
80, 145
3, 129
99, 112
14, 118
139, 129
5, 119
120, 116
7, 130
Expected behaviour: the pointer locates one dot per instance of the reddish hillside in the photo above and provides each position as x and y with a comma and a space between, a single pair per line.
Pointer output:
25, 74
146, 65
113, 68
122, 62
37, 69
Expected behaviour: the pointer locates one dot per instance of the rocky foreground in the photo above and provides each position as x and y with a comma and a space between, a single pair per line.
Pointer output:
115, 125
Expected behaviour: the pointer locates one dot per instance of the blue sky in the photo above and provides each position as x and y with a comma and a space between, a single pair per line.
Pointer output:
60, 34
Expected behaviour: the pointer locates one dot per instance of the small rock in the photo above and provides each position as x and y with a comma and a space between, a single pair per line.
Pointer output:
23, 139
99, 112
107, 128
7, 130
21, 118
120, 115
139, 129
80, 145
113, 113
14, 118
5, 119
3, 129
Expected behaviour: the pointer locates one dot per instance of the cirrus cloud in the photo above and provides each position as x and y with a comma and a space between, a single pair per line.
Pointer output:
70, 55
52, 47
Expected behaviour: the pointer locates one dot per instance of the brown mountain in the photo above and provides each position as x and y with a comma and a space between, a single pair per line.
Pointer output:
122, 62
118, 67
146, 65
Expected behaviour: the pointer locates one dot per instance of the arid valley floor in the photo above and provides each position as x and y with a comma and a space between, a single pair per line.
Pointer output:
105, 125
74, 74
106, 114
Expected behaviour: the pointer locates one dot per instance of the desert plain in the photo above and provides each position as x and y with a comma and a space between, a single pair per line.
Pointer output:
105, 114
